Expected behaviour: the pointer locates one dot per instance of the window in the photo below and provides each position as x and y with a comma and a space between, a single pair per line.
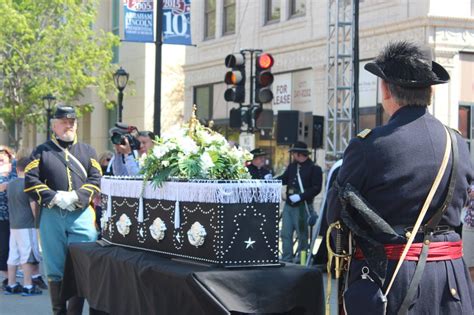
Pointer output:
272, 11
204, 101
210, 19
466, 126
115, 28
297, 7
229, 17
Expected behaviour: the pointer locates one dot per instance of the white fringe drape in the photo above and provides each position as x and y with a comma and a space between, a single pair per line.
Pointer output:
208, 191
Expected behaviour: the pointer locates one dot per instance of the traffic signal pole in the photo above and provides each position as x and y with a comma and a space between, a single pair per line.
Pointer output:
251, 52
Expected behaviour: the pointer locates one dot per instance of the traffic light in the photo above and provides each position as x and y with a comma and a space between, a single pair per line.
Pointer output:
263, 78
238, 116
235, 78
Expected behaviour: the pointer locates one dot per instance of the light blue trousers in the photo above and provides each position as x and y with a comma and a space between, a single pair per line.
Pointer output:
59, 228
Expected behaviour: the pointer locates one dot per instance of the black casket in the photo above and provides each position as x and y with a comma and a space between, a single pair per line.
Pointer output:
228, 223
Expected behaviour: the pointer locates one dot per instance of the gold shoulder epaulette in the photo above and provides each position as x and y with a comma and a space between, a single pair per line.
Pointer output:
364, 133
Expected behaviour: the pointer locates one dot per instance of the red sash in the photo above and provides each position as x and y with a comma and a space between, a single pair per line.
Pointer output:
437, 251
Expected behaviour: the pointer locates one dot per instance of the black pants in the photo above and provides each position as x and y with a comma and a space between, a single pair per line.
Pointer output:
4, 244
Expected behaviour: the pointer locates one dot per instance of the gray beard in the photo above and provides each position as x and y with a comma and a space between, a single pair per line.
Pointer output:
67, 138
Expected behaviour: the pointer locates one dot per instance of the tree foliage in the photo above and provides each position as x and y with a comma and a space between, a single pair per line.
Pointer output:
50, 46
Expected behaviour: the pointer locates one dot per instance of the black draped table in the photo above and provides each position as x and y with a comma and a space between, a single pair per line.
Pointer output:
117, 280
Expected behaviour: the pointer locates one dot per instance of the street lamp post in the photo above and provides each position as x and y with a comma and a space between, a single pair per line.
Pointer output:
120, 80
48, 101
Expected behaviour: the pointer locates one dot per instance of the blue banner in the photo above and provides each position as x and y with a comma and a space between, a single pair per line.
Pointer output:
177, 22
138, 21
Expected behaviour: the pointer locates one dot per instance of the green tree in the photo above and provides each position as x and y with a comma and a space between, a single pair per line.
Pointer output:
50, 46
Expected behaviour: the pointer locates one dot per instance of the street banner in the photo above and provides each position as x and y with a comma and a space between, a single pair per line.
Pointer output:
138, 21
177, 22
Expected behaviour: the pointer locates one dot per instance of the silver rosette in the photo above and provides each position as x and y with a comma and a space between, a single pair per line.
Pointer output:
157, 229
123, 225
196, 234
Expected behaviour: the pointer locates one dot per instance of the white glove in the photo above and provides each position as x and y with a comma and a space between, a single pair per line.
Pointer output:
268, 176
294, 198
66, 200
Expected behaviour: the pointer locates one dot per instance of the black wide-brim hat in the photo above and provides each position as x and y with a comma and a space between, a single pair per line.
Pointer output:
258, 152
407, 65
299, 147
65, 112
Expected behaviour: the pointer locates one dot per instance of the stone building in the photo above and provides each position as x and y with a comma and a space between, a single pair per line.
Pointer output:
295, 32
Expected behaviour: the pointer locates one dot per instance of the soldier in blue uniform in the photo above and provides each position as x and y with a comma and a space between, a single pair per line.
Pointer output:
392, 167
63, 177
300, 194
257, 167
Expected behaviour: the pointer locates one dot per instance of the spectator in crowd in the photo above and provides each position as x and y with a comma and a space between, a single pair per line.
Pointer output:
104, 161
257, 166
303, 180
7, 173
146, 141
63, 176
124, 162
468, 233
24, 249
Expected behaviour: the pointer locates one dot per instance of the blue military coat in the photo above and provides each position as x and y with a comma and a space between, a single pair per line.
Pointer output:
393, 168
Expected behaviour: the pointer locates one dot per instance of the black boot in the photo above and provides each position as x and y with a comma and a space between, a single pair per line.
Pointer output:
74, 305
59, 305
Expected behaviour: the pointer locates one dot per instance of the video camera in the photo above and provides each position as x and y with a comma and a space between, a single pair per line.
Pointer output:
122, 131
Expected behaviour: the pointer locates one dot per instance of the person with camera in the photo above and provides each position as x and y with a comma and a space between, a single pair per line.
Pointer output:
303, 180
127, 146
63, 176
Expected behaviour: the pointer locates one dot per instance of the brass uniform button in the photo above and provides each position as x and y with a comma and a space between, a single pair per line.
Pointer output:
453, 292
407, 234
427, 242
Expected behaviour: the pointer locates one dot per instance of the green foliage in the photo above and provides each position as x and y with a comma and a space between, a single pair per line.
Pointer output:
50, 46
194, 153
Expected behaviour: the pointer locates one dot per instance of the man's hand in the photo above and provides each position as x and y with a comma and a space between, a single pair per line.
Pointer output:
3, 187
294, 198
124, 149
66, 200
268, 177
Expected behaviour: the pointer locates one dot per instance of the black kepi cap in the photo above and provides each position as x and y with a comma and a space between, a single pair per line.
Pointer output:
258, 152
65, 112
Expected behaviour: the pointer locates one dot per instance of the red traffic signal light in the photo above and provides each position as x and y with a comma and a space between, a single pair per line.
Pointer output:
263, 78
265, 61
235, 78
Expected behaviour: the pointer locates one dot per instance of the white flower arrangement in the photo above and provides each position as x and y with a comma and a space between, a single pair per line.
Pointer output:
195, 152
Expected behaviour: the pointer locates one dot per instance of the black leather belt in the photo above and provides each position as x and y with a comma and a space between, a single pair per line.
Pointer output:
404, 230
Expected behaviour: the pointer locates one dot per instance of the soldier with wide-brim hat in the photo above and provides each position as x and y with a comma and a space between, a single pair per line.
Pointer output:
303, 181
299, 147
391, 169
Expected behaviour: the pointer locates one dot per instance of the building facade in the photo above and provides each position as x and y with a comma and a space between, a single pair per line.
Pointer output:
295, 32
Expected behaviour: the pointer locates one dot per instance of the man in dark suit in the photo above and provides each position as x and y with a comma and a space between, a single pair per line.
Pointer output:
303, 182
393, 167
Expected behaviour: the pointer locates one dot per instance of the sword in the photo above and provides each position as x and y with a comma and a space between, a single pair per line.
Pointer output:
341, 256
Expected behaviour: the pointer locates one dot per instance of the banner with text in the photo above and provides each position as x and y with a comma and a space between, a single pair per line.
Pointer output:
177, 22
138, 21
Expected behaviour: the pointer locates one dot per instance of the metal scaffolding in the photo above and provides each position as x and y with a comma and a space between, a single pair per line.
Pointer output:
339, 77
